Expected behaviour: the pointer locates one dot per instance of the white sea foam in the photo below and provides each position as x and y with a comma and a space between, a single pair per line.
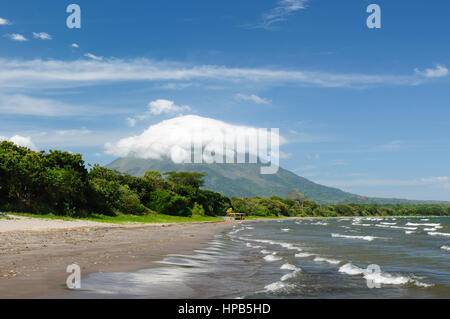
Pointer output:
277, 286
327, 260
380, 277
271, 258
351, 270
425, 220
320, 223
447, 248
290, 275
367, 238
266, 252
387, 279
388, 223
303, 255
288, 266
430, 229
287, 246
439, 234
397, 227
409, 232
424, 224
252, 246
285, 229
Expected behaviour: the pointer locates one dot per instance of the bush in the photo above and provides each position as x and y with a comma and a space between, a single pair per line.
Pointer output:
167, 202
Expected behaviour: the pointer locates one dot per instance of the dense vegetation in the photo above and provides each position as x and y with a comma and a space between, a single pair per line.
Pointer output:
59, 183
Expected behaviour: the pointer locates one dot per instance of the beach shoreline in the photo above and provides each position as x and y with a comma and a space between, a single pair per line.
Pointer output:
33, 262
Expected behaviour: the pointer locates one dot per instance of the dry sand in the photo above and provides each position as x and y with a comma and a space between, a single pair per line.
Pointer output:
34, 253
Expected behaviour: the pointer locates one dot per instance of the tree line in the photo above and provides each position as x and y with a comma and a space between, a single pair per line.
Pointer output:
59, 183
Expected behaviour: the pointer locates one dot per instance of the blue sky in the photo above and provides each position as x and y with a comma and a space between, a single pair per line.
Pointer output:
364, 110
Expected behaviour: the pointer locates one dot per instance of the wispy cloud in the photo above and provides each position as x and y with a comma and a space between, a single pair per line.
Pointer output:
438, 72
252, 98
58, 73
93, 57
17, 37
42, 36
24, 105
442, 180
281, 12
4, 21
19, 104
74, 45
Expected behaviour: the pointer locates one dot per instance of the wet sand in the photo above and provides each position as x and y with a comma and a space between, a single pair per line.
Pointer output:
33, 263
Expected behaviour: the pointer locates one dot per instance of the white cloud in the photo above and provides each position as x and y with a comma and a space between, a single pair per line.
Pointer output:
76, 132
42, 36
439, 72
93, 57
57, 73
252, 98
20, 141
25, 105
131, 122
164, 106
175, 137
17, 37
281, 12
4, 21
74, 45
437, 179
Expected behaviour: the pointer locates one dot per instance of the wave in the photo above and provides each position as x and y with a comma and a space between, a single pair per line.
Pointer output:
351, 270
272, 258
408, 232
397, 227
327, 260
266, 252
366, 238
380, 277
252, 246
447, 248
439, 234
424, 224
285, 229
291, 275
288, 266
303, 255
278, 286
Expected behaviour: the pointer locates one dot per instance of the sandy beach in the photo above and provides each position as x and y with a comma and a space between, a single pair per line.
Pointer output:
34, 253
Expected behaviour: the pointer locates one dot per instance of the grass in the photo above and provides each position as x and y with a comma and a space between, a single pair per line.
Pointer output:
125, 219
4, 216
263, 217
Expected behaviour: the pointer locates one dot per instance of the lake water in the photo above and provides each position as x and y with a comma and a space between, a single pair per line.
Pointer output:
300, 258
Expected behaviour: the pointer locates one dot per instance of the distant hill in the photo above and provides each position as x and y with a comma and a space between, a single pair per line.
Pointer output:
245, 180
